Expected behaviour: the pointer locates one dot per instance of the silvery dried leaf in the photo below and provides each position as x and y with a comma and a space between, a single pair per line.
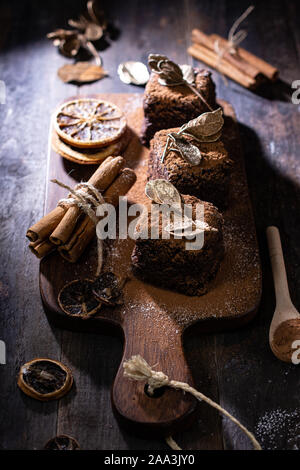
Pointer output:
178, 226
187, 150
188, 227
133, 72
206, 127
209, 138
170, 74
151, 192
188, 73
201, 226
163, 192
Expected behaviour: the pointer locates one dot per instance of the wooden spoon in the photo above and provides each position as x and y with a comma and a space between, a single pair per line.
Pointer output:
284, 335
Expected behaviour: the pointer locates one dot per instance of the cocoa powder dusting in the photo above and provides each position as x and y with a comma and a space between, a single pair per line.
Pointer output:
234, 293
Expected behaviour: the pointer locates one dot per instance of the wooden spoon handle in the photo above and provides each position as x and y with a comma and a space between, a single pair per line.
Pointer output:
283, 299
159, 343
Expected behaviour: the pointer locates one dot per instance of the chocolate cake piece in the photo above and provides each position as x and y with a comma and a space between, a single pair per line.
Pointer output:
169, 264
208, 181
172, 106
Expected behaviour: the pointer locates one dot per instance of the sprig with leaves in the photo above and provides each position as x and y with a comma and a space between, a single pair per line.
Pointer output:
88, 28
162, 191
172, 74
205, 128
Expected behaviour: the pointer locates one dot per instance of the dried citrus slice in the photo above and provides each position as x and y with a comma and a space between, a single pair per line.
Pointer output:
45, 379
108, 288
89, 156
76, 298
62, 442
89, 123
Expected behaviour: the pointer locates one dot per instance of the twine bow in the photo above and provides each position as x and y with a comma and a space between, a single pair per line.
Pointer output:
234, 38
138, 369
87, 198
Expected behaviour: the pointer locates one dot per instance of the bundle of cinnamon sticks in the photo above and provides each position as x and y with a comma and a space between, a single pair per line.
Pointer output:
67, 228
239, 65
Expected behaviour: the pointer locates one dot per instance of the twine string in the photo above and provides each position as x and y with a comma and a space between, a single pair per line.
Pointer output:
234, 39
87, 198
138, 369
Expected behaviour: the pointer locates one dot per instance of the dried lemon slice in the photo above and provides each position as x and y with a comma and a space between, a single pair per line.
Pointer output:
89, 123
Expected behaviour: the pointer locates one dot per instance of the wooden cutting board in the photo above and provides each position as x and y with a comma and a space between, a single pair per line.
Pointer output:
152, 320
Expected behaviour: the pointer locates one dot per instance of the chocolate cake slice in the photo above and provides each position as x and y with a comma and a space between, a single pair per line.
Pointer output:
169, 264
208, 181
172, 106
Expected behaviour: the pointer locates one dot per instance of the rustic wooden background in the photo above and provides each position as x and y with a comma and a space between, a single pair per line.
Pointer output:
235, 368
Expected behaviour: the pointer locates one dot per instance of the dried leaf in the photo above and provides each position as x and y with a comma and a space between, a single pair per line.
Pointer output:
163, 192
151, 192
69, 47
78, 24
61, 34
188, 73
93, 32
187, 150
206, 127
188, 227
96, 13
81, 72
178, 226
133, 72
170, 74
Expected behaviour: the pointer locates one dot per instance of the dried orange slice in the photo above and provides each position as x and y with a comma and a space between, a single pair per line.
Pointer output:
45, 379
89, 156
89, 123
76, 298
62, 442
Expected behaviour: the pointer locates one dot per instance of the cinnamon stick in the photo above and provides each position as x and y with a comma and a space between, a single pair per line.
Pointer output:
264, 67
41, 248
45, 226
237, 61
101, 179
211, 58
86, 229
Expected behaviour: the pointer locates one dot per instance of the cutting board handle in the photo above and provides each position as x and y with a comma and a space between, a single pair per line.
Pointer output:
162, 348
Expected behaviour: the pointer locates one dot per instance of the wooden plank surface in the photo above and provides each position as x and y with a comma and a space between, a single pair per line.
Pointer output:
236, 368
152, 319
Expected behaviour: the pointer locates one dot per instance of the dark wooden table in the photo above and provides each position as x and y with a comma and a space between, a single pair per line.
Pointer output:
237, 368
